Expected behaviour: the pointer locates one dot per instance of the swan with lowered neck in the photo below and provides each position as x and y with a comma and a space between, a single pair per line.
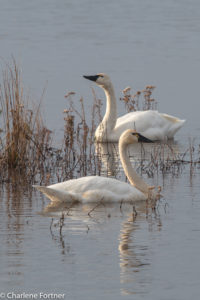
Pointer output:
96, 188
150, 123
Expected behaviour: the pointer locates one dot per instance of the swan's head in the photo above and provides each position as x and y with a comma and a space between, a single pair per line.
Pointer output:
131, 136
100, 79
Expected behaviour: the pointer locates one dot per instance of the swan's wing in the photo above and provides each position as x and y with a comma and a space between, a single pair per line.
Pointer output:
151, 124
112, 196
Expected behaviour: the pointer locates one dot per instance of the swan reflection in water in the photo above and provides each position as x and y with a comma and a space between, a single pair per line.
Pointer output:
139, 153
133, 250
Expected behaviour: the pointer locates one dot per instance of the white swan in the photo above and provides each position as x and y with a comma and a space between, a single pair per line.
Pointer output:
150, 123
96, 188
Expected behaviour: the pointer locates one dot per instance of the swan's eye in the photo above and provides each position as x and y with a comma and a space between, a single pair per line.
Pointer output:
135, 134
100, 75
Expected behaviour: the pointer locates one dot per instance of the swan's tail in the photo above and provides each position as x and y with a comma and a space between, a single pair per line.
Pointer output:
175, 125
172, 119
57, 195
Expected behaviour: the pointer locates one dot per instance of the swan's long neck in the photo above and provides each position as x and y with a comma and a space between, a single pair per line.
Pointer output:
109, 121
132, 176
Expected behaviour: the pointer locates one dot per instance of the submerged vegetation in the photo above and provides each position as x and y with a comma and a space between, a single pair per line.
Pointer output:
27, 149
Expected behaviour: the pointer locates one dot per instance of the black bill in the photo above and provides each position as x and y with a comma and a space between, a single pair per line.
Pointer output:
143, 139
92, 77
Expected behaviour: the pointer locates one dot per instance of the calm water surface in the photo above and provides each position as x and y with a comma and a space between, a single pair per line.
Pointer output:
105, 255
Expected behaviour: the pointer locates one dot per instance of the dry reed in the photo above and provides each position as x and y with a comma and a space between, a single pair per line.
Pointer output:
141, 100
25, 141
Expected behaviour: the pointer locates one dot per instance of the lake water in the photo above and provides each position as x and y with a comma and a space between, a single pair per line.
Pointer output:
108, 254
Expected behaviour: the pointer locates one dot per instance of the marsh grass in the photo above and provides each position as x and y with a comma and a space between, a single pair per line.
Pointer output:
79, 156
25, 141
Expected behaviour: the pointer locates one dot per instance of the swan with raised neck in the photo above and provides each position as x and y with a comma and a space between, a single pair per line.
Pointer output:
151, 123
107, 125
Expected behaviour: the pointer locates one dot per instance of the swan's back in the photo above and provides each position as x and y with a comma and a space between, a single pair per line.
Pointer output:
92, 189
150, 123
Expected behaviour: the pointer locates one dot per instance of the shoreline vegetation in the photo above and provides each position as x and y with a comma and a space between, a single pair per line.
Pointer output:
27, 149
